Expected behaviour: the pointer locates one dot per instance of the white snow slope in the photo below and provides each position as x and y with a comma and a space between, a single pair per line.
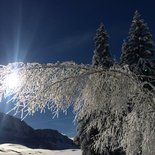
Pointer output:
15, 149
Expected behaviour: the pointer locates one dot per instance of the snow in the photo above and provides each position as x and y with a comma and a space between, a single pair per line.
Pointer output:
15, 149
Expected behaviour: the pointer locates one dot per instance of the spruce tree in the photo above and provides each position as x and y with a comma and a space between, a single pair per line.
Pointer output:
138, 50
139, 43
102, 56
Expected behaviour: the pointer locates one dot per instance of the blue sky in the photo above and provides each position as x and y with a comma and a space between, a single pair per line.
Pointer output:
60, 30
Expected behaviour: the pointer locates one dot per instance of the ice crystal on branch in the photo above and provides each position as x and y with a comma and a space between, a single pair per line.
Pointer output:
116, 96
44, 85
62, 84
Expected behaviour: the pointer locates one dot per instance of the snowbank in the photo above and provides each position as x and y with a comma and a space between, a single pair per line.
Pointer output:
14, 149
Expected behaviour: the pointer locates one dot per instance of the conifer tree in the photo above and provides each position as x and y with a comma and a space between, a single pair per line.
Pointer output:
139, 43
137, 50
102, 56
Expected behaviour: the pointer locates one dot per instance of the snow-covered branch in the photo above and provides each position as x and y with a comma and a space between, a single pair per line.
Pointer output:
60, 85
108, 94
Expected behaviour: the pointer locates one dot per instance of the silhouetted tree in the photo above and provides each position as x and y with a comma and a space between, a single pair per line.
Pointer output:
137, 50
139, 43
102, 56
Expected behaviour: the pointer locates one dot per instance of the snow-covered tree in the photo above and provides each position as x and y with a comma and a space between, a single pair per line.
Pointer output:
139, 43
88, 89
116, 109
137, 50
102, 56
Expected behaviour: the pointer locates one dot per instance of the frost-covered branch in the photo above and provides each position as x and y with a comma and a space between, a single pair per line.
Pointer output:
62, 84
116, 97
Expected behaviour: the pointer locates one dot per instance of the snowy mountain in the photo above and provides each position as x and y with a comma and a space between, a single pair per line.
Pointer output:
15, 131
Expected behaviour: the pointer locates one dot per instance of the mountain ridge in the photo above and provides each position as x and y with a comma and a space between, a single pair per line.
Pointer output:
13, 130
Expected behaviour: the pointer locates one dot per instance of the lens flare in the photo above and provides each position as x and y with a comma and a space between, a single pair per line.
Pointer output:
12, 81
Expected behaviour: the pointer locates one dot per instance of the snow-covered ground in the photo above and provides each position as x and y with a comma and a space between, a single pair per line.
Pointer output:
15, 149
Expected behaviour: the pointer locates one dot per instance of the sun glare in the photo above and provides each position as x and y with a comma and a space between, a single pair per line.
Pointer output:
12, 81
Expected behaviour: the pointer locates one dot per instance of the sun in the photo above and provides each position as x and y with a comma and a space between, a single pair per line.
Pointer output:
12, 81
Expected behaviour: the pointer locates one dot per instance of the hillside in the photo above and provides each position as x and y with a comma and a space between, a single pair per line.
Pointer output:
15, 131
